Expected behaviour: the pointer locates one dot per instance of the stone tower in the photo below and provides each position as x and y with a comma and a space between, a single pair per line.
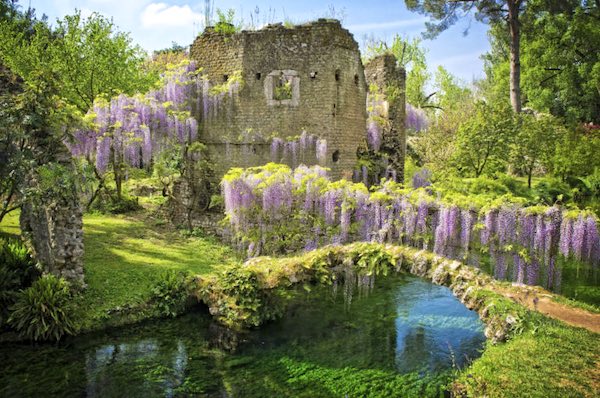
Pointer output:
387, 87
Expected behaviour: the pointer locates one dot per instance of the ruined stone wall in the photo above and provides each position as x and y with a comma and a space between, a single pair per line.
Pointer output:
322, 63
53, 228
387, 81
51, 216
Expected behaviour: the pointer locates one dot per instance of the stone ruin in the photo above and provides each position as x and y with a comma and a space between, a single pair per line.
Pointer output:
51, 218
386, 104
301, 96
303, 99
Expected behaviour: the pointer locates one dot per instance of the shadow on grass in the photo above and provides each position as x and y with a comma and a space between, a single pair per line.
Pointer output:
125, 257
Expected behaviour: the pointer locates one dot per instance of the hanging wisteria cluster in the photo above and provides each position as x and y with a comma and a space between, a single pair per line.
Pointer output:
303, 149
416, 119
274, 209
374, 135
137, 128
421, 178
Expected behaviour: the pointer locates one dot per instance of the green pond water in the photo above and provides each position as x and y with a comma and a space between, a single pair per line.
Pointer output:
405, 337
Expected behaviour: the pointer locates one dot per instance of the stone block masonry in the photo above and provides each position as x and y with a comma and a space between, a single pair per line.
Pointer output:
387, 87
303, 78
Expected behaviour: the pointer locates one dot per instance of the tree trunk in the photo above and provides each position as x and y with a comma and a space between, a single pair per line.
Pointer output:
515, 58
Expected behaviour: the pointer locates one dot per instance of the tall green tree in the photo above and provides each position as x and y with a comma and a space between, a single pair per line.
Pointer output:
561, 59
505, 12
483, 142
450, 92
535, 143
88, 56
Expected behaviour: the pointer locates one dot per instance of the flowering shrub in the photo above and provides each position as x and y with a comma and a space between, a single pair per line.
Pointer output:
272, 209
421, 179
416, 119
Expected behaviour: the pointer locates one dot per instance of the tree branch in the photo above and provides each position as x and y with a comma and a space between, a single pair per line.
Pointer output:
549, 78
433, 107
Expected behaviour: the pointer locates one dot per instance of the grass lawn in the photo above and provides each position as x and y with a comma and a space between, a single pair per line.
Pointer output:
10, 224
549, 359
125, 255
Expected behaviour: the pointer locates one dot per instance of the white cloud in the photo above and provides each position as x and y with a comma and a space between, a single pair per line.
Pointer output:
403, 23
161, 14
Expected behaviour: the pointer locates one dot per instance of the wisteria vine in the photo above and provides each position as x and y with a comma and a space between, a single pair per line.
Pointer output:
274, 209
138, 128
304, 149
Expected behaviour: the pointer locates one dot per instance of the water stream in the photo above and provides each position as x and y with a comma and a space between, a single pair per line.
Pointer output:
405, 338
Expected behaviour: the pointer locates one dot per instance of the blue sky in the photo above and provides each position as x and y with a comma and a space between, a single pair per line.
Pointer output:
155, 24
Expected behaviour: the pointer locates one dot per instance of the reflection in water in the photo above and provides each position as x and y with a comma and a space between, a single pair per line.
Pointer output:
403, 332
432, 324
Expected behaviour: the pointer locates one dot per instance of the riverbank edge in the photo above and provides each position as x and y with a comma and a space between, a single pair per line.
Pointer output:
513, 329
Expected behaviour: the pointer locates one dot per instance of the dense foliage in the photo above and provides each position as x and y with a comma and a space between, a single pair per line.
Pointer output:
89, 56
41, 312
560, 45
17, 271
171, 293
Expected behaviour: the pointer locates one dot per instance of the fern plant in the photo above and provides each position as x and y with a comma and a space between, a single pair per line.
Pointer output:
171, 293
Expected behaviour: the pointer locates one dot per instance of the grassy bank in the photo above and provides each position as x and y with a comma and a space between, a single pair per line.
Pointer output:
125, 256
546, 359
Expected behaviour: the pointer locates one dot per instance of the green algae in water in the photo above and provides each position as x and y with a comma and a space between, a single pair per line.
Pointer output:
404, 338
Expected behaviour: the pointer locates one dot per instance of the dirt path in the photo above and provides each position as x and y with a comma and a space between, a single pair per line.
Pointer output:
541, 301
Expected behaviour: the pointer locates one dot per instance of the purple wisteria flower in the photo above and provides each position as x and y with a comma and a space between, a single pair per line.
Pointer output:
578, 237
421, 179
522, 245
416, 119
591, 251
374, 136
489, 227
566, 230
466, 221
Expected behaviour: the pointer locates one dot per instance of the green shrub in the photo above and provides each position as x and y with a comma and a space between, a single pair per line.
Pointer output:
246, 302
9, 285
41, 311
550, 190
171, 293
17, 271
108, 204
516, 186
225, 22
15, 256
